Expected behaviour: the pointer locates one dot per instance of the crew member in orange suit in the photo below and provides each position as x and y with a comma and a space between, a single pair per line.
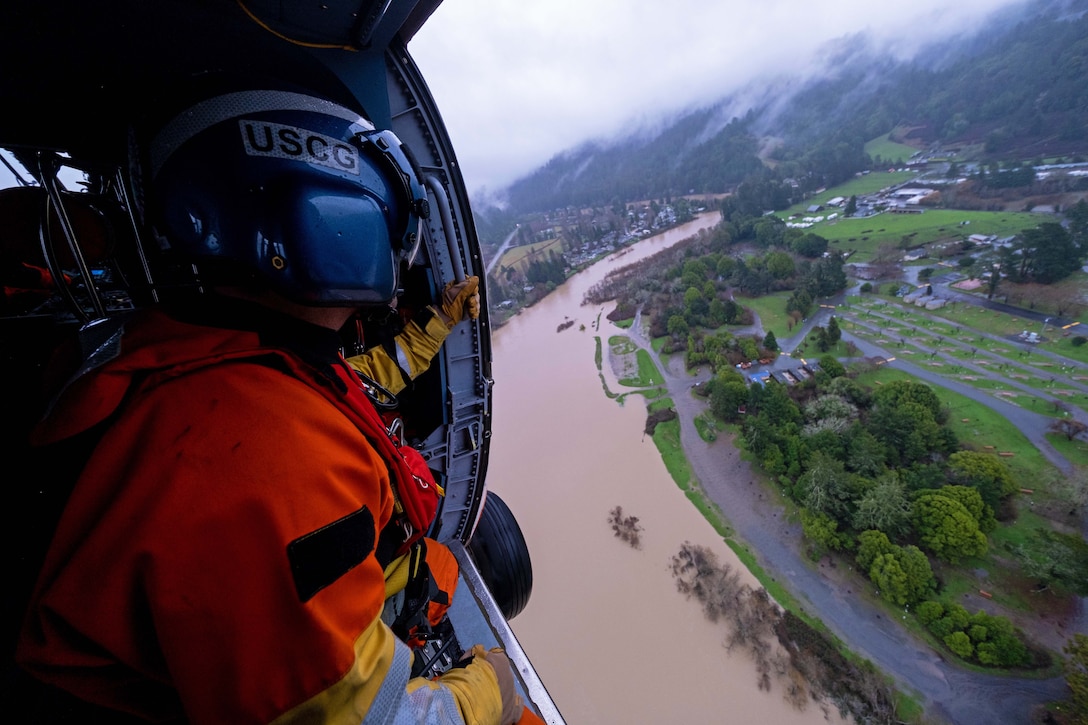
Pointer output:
222, 555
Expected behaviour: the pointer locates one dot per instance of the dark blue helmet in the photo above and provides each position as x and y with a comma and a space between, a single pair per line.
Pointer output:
303, 193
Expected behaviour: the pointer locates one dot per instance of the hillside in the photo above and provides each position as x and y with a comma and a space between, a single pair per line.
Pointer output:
1014, 90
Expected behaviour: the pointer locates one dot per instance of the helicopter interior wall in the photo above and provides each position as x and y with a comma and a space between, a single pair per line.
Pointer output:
85, 70
355, 23
83, 74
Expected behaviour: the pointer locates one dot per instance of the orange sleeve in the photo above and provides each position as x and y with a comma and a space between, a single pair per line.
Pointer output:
173, 569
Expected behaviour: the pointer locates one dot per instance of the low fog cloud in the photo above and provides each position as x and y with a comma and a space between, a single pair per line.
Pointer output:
518, 81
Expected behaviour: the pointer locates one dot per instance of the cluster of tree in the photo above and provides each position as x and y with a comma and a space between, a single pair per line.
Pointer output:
808, 244
1013, 176
784, 649
798, 305
759, 274
662, 273
827, 337
724, 350
751, 201
685, 291
526, 286
813, 275
626, 528
777, 270
989, 640
826, 160
1077, 218
1045, 254
902, 574
553, 269
877, 473
1055, 558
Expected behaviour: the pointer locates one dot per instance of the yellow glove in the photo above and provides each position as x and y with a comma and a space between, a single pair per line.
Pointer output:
459, 299
512, 706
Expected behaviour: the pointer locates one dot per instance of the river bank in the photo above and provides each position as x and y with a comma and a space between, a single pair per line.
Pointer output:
608, 632
509, 309
949, 692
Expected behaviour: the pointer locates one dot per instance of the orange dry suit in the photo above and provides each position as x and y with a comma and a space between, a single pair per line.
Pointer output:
215, 562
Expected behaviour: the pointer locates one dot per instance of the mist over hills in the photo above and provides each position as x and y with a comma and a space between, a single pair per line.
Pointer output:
1012, 88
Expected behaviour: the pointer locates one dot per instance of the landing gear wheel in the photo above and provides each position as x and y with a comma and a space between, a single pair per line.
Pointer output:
498, 548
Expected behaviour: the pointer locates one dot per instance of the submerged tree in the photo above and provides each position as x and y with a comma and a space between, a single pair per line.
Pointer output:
803, 661
698, 574
626, 528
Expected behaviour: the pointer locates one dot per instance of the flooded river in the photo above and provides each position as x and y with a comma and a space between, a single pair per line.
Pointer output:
612, 639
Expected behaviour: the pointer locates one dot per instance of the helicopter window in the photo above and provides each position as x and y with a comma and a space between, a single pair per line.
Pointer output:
59, 249
14, 173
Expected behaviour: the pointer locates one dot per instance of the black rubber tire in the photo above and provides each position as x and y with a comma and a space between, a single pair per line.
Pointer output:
502, 557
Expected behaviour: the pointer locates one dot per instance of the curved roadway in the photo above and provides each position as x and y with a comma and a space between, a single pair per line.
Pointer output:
959, 696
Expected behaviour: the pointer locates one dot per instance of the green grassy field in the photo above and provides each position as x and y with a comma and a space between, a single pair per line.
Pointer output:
867, 184
667, 440
1076, 451
889, 150
649, 374
864, 236
707, 426
521, 256
771, 310
962, 318
953, 330
1055, 340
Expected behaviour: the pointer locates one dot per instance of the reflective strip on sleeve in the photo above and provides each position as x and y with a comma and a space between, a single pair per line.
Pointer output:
389, 706
402, 360
431, 706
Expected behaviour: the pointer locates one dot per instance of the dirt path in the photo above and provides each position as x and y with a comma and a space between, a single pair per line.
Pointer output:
956, 695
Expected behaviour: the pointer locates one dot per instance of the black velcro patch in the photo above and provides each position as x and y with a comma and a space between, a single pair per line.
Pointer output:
321, 557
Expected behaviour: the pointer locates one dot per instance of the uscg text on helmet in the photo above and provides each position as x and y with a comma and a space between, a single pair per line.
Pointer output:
261, 138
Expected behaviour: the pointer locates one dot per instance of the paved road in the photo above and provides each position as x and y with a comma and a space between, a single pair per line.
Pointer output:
502, 250
1032, 425
1031, 358
947, 291
956, 695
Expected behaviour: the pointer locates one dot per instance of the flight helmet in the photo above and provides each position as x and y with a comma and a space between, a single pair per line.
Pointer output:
300, 193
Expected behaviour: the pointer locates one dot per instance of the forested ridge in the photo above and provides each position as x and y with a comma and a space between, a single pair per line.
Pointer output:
1013, 90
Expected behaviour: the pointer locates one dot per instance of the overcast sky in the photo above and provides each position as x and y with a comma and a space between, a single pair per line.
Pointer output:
518, 81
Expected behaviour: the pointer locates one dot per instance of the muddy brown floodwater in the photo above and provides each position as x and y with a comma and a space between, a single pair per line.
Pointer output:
612, 639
